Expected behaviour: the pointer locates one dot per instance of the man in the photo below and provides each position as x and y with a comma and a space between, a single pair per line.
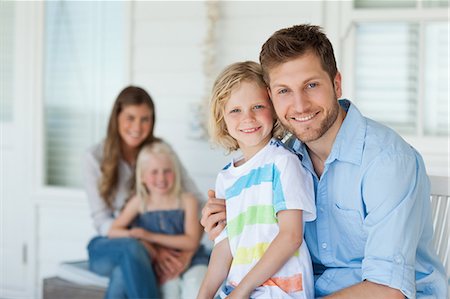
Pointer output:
372, 237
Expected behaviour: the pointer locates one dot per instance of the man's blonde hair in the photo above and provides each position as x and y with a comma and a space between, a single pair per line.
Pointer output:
229, 79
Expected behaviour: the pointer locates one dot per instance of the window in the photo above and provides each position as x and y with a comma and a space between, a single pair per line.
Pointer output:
6, 60
398, 54
84, 67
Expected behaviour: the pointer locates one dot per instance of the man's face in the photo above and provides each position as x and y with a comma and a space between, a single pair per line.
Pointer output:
304, 97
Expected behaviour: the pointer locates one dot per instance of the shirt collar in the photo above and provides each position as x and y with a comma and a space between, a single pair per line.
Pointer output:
349, 143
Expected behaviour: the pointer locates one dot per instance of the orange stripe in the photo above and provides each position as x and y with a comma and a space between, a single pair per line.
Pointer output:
288, 284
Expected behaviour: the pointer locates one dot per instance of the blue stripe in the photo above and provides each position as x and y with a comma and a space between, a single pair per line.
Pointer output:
227, 166
278, 197
266, 173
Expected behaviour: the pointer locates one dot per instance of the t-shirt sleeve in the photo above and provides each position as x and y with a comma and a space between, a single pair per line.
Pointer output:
293, 187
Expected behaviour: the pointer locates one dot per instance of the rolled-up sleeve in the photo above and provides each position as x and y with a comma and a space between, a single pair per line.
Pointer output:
394, 190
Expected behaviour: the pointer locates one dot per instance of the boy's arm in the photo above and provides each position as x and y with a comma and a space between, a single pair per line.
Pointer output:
219, 265
277, 254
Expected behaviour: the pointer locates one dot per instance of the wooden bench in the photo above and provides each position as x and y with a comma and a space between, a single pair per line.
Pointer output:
57, 288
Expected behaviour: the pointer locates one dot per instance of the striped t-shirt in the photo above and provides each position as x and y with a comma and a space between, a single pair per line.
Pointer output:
272, 180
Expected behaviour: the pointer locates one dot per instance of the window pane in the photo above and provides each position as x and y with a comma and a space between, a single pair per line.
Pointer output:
6, 60
386, 73
384, 4
436, 79
435, 3
83, 69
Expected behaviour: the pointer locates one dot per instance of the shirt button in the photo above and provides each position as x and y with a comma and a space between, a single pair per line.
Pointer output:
398, 259
324, 245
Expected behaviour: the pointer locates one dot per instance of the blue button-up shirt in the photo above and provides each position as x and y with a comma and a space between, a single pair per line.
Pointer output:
373, 213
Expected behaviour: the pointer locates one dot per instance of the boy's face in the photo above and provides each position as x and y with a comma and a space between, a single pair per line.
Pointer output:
304, 97
249, 117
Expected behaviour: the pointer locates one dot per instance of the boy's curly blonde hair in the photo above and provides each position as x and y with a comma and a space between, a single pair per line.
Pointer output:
229, 79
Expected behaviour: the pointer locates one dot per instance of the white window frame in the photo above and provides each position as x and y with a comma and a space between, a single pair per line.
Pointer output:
43, 193
435, 150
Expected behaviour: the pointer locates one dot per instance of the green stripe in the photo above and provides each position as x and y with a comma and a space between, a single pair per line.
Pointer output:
253, 215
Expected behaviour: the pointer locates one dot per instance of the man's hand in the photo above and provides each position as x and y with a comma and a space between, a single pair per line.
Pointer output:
213, 215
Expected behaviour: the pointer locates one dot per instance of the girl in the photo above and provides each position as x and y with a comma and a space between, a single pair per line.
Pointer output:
165, 216
108, 181
268, 195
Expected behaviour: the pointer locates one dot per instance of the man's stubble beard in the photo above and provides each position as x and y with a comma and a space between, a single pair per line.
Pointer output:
309, 134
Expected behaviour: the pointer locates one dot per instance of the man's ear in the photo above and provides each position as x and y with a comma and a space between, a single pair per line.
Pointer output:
337, 84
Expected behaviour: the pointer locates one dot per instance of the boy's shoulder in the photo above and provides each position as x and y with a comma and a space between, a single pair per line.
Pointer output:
276, 149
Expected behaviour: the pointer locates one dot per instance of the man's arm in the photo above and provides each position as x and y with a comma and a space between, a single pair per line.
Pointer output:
367, 290
396, 217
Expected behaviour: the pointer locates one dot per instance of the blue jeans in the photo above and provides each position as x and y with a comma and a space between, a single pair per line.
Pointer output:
126, 262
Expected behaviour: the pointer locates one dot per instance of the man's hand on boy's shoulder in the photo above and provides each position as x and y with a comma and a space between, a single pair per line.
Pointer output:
213, 215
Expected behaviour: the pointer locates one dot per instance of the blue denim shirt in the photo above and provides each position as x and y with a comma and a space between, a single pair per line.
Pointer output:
373, 213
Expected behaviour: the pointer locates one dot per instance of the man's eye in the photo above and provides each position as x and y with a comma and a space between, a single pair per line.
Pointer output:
282, 91
311, 85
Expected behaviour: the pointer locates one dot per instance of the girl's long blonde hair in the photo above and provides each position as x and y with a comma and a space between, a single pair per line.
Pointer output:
144, 158
109, 165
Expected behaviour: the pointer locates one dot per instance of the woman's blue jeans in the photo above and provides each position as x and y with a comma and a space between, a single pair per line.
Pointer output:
127, 264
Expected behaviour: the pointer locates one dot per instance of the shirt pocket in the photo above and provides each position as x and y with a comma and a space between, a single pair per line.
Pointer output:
348, 225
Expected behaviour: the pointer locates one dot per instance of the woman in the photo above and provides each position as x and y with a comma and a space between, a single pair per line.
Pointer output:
108, 179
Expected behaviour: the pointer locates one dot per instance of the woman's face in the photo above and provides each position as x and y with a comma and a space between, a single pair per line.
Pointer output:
135, 123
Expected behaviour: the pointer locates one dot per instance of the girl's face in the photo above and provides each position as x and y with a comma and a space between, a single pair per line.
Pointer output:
158, 175
134, 124
249, 117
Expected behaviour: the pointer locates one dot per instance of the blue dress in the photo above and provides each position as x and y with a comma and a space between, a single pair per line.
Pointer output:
170, 222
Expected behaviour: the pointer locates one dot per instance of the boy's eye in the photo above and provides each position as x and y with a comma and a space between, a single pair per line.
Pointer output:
258, 107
